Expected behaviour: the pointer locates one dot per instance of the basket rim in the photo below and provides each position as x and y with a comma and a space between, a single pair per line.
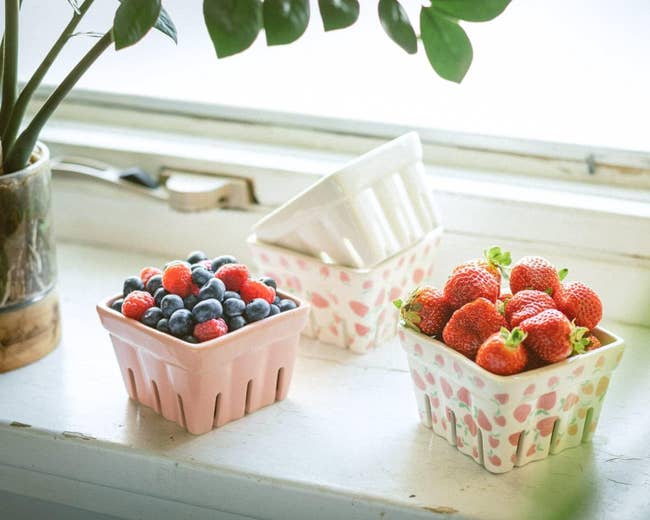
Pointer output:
438, 346
253, 241
103, 307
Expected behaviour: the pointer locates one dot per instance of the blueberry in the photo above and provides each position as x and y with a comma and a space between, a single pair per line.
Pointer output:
207, 310
170, 304
236, 322
257, 310
159, 295
132, 283
233, 307
154, 283
191, 339
274, 310
152, 316
222, 260
269, 281
276, 300
163, 326
181, 323
196, 257
190, 301
213, 289
117, 305
286, 305
201, 276
231, 294
197, 266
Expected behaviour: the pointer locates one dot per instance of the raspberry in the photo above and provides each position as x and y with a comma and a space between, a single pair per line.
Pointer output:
147, 273
177, 279
210, 329
136, 303
252, 289
233, 275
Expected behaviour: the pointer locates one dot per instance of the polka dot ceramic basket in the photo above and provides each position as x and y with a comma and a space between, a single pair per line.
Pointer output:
503, 422
351, 308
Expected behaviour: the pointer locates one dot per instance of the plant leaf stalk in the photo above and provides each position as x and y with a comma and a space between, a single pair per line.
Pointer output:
18, 113
10, 62
20, 152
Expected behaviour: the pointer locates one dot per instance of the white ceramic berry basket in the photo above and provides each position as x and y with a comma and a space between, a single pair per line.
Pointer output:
350, 308
205, 385
503, 422
368, 211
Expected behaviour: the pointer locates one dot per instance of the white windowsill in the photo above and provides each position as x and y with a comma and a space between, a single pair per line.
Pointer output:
346, 443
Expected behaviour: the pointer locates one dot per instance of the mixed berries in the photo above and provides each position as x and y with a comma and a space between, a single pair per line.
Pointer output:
536, 321
199, 299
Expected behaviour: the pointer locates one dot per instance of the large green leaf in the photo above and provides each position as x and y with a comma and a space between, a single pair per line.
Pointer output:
338, 14
471, 10
447, 46
396, 23
134, 19
285, 20
166, 25
233, 24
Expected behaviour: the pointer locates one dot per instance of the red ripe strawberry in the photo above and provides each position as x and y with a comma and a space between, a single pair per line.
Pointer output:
425, 310
503, 353
526, 304
494, 261
468, 284
471, 325
580, 304
594, 342
210, 329
232, 275
177, 279
534, 272
252, 289
136, 303
147, 273
534, 361
552, 337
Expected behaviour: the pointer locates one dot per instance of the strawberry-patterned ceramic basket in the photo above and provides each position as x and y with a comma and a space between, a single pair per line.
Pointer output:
507, 421
350, 307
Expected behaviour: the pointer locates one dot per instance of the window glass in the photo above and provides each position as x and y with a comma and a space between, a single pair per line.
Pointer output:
552, 70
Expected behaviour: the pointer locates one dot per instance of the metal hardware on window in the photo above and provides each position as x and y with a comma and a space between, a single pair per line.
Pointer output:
183, 191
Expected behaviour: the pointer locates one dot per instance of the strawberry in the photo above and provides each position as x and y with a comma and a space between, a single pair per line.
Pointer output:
502, 302
594, 342
233, 275
526, 304
471, 325
252, 289
580, 304
469, 283
552, 336
503, 353
425, 310
494, 261
534, 272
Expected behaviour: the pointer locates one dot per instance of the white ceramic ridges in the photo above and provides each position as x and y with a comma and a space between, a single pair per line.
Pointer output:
370, 210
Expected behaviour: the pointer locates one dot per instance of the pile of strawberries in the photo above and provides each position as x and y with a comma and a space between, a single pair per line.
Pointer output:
541, 320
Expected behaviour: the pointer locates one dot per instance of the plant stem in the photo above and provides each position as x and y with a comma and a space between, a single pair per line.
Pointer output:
18, 112
19, 154
10, 63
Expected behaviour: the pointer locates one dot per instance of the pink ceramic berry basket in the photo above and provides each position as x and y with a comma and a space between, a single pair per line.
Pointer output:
503, 422
350, 308
206, 385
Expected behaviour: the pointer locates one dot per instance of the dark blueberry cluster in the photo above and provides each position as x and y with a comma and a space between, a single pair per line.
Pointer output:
202, 302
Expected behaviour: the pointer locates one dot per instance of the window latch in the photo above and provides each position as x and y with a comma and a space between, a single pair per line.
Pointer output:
182, 190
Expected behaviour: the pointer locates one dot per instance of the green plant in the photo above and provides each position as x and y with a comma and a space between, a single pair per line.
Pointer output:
233, 26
